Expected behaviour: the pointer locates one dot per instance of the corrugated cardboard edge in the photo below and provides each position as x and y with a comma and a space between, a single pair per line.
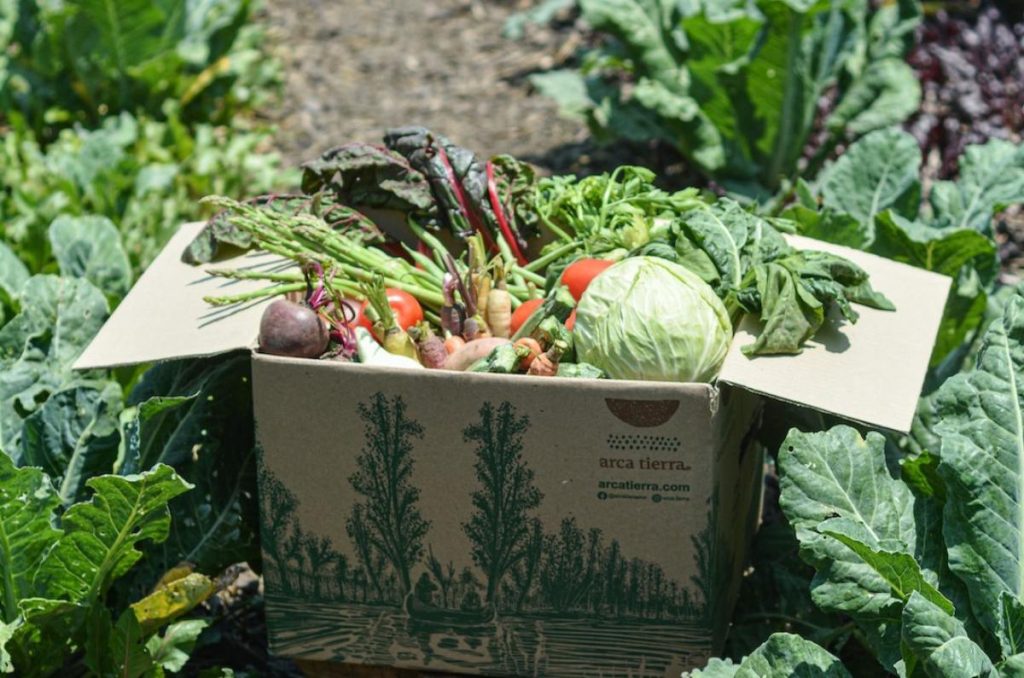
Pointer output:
164, 315
871, 371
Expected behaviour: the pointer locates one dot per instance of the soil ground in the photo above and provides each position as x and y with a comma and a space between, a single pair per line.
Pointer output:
354, 68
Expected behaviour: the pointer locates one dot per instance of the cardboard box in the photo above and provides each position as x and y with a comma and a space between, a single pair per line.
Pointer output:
476, 523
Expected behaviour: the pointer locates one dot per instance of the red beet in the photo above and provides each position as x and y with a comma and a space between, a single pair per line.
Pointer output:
293, 330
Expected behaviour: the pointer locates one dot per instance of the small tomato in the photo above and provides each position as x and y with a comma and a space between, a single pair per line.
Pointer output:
525, 310
578, 274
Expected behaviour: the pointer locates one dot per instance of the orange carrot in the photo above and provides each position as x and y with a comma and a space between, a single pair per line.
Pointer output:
546, 364
534, 347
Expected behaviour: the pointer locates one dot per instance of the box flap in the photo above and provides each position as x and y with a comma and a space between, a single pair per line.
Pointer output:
871, 371
164, 315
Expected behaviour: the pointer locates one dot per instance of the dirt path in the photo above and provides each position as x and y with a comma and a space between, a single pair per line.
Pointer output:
355, 67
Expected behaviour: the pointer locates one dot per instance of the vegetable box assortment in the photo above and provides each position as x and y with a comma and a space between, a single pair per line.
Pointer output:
478, 518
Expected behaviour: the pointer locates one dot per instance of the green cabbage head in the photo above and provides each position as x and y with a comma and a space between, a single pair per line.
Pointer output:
650, 319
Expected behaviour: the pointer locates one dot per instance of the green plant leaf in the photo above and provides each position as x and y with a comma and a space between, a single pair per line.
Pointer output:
939, 641
90, 247
838, 479
979, 419
13, 275
1011, 624
899, 569
991, 177
878, 172
27, 505
887, 93
830, 226
7, 632
100, 536
58, 318
74, 436
171, 649
197, 416
783, 654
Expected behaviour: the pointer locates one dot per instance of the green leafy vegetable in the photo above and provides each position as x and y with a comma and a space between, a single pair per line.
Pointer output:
734, 86
90, 248
783, 654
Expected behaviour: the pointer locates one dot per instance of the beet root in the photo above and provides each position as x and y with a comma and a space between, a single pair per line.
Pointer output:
292, 330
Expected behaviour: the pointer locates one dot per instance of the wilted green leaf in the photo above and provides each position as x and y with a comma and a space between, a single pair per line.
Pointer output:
939, 642
878, 172
979, 419
100, 537
90, 247
172, 600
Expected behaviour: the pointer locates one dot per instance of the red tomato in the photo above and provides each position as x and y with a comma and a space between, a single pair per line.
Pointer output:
407, 310
578, 274
524, 311
570, 322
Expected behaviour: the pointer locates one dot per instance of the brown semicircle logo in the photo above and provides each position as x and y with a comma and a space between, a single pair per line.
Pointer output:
642, 413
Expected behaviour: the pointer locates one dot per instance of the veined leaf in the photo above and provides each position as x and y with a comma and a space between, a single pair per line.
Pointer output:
887, 93
6, 633
899, 569
783, 654
196, 415
27, 506
980, 419
74, 437
939, 643
991, 177
838, 476
1011, 624
943, 250
90, 247
878, 172
171, 650
830, 226
58, 317
13, 275
100, 537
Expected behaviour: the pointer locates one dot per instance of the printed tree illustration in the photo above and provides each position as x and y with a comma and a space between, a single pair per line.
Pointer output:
500, 527
371, 561
295, 552
445, 576
568, 569
278, 506
341, 574
319, 552
392, 522
524, 574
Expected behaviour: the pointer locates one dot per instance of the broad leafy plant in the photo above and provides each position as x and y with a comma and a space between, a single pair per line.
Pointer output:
735, 85
922, 552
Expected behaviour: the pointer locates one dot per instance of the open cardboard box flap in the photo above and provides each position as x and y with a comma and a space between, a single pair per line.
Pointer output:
869, 372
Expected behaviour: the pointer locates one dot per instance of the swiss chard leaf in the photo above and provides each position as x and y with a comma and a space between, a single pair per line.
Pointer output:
979, 420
